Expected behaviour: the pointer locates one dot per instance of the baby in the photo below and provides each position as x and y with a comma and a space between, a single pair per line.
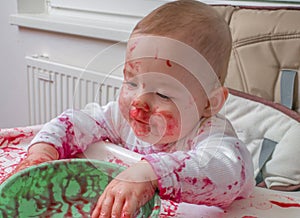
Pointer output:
167, 110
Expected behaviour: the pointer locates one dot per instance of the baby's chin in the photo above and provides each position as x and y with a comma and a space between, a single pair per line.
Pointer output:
146, 135
152, 134
154, 139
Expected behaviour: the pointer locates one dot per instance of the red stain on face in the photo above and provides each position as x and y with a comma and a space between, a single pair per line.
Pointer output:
139, 118
130, 65
154, 85
132, 47
141, 105
133, 65
144, 121
139, 115
168, 62
170, 123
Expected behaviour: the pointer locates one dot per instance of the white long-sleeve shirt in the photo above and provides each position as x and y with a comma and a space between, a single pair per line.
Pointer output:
208, 166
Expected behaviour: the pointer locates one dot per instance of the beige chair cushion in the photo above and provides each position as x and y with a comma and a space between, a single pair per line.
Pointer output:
271, 121
265, 41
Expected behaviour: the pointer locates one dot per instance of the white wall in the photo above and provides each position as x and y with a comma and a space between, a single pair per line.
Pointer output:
13, 98
15, 44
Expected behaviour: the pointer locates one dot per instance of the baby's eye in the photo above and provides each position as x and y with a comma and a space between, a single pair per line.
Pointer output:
130, 84
162, 96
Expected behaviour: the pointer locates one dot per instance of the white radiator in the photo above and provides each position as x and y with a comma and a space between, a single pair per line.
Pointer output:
55, 87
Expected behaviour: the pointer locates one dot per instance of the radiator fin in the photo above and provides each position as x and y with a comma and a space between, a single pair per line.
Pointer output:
55, 87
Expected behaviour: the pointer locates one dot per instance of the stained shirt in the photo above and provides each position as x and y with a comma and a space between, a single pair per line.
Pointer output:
210, 165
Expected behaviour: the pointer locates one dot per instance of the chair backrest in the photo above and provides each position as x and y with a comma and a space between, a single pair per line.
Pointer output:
265, 59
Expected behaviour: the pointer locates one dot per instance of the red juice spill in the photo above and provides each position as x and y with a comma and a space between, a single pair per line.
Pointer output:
206, 182
12, 139
284, 204
118, 161
243, 173
169, 210
191, 180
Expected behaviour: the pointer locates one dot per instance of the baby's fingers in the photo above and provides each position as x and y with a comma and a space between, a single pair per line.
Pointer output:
117, 207
129, 209
103, 207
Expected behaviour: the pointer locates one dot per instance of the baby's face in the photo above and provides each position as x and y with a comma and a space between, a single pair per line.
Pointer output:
161, 100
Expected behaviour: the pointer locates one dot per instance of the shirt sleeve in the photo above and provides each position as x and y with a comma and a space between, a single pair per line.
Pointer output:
216, 171
72, 131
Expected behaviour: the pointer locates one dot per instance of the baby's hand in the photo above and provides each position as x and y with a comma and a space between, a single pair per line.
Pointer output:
130, 190
38, 153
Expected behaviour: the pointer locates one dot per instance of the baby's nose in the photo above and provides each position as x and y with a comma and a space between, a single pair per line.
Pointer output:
140, 104
140, 110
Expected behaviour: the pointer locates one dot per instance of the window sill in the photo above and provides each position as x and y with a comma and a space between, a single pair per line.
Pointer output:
116, 29
99, 25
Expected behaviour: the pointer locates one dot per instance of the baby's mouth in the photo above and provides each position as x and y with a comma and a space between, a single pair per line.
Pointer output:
139, 116
139, 124
141, 121
140, 128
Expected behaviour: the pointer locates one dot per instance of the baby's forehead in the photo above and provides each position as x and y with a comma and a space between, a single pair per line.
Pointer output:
174, 52
166, 71
172, 80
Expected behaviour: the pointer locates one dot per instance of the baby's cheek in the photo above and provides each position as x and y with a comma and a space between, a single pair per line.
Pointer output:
124, 103
158, 125
166, 124
172, 126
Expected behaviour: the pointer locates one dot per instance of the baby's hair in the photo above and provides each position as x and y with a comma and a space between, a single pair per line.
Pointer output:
196, 24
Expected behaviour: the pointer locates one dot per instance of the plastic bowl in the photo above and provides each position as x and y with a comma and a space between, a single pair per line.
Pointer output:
62, 188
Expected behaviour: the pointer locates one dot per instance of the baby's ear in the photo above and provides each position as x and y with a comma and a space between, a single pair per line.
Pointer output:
215, 101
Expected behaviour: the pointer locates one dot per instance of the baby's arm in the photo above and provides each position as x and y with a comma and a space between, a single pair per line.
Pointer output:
37, 153
216, 172
46, 150
72, 131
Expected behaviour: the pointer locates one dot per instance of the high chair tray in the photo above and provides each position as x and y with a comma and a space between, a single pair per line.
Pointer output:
262, 202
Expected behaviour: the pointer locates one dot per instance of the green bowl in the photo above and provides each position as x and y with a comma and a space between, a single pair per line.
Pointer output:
62, 188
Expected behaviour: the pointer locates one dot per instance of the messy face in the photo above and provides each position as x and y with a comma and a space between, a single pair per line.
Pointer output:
165, 88
160, 100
